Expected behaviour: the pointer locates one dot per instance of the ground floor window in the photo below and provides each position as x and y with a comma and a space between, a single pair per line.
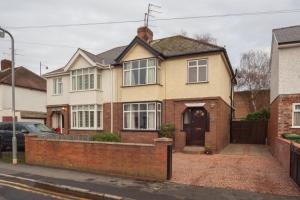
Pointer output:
296, 115
87, 117
142, 116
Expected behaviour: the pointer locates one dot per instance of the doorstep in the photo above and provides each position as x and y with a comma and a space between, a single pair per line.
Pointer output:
193, 149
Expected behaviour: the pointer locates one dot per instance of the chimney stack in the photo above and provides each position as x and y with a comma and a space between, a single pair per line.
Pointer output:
5, 64
145, 34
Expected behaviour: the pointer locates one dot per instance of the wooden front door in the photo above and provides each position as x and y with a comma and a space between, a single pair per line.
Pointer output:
195, 125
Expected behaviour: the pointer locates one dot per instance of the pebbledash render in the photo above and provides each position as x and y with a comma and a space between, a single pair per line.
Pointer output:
173, 80
285, 79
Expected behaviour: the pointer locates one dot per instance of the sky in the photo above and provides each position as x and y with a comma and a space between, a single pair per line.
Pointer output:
55, 46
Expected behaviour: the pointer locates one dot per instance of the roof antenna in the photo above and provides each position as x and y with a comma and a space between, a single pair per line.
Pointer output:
149, 13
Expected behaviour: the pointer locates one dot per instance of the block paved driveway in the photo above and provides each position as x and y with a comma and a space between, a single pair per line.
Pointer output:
242, 167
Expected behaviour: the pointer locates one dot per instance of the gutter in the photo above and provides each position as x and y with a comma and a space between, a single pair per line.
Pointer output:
232, 83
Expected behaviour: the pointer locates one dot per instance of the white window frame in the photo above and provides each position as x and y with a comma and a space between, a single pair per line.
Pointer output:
86, 108
293, 113
156, 110
57, 82
197, 66
130, 70
90, 71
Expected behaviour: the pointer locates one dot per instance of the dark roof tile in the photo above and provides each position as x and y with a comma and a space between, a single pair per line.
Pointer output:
287, 35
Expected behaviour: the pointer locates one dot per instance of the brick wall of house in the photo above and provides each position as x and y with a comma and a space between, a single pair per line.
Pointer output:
144, 161
243, 105
219, 115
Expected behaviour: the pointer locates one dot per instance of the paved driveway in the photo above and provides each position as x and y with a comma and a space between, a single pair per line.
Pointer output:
243, 167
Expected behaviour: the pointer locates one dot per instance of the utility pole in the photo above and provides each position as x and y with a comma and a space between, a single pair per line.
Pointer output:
14, 138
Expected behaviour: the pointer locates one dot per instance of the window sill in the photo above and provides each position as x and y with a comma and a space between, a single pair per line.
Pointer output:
86, 90
138, 130
295, 127
56, 95
86, 129
197, 83
128, 86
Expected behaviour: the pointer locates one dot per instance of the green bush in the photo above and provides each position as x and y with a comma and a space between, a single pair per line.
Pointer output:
264, 115
106, 137
291, 136
167, 130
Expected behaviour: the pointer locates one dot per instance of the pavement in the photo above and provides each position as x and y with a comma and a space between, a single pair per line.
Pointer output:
240, 167
123, 187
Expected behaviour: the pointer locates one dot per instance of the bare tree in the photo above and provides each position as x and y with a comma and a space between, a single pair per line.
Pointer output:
253, 74
206, 37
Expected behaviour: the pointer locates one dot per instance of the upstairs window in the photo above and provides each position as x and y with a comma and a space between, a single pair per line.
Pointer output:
57, 86
197, 71
86, 79
296, 115
140, 72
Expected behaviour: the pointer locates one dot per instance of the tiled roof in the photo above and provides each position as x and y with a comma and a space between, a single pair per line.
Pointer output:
24, 78
110, 55
287, 35
181, 45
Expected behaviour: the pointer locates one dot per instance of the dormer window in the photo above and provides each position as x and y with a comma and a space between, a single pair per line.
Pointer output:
86, 79
140, 72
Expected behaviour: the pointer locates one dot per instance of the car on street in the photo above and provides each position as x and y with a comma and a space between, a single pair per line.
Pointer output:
22, 128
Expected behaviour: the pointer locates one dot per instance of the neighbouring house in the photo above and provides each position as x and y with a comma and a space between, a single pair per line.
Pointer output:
145, 84
30, 95
285, 79
243, 104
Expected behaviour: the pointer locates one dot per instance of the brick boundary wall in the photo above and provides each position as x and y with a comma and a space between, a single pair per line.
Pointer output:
142, 161
281, 152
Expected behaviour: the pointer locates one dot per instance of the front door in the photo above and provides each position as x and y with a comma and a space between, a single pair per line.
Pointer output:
195, 127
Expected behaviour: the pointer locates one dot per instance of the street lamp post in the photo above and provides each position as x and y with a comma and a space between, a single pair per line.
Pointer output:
14, 138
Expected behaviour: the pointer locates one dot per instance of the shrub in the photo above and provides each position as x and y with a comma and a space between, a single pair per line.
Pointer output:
167, 130
264, 115
106, 137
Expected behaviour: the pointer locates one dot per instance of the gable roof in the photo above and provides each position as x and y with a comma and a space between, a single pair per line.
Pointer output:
287, 35
109, 56
23, 78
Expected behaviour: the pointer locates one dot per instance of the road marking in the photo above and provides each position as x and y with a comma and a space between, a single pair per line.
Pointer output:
44, 192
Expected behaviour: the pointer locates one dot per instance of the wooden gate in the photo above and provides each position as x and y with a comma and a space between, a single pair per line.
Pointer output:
295, 164
248, 132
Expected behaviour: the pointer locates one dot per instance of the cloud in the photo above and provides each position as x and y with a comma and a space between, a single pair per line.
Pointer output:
238, 34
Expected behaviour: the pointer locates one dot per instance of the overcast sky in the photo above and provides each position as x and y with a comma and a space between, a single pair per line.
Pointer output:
55, 46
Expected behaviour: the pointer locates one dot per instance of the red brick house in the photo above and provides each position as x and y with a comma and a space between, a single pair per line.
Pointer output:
285, 79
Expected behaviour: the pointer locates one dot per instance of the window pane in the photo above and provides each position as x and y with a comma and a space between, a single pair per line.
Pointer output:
151, 75
74, 83
91, 119
134, 106
202, 74
92, 107
297, 107
135, 64
126, 120
86, 81
99, 119
127, 78
192, 74
151, 62
158, 119
202, 62
134, 77
73, 72
143, 76
143, 106
186, 118
297, 119
79, 82
91, 81
151, 120
91, 70
54, 86
59, 88
151, 106
143, 63
143, 120
74, 119
134, 120
127, 65
80, 118
99, 81
86, 118
127, 107
192, 63
158, 106
85, 71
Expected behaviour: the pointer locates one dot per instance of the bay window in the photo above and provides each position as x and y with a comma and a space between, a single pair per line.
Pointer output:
197, 71
142, 116
296, 115
84, 79
140, 72
86, 117
57, 86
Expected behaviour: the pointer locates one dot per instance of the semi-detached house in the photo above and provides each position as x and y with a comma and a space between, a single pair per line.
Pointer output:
145, 84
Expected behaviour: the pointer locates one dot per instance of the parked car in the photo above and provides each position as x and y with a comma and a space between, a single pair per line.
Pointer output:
21, 129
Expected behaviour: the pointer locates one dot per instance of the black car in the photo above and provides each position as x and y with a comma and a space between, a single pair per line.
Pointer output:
22, 128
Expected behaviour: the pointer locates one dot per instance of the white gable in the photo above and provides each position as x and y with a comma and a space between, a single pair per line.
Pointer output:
79, 60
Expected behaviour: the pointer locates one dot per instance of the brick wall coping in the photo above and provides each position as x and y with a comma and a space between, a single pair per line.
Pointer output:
35, 137
281, 139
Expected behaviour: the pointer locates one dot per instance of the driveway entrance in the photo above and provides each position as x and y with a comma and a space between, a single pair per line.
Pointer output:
242, 167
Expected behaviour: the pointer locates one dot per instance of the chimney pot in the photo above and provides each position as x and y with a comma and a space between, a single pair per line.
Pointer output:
5, 64
145, 34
